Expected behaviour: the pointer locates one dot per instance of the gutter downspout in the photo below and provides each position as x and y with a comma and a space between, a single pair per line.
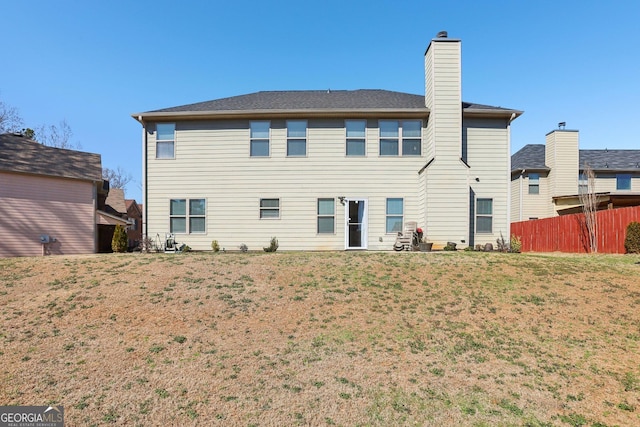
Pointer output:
512, 118
144, 179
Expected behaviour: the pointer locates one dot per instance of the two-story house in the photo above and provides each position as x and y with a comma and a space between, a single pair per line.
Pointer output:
331, 169
547, 179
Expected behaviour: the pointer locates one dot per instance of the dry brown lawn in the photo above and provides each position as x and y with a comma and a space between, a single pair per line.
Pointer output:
379, 339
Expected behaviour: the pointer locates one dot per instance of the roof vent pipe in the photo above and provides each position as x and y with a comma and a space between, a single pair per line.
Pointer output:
442, 35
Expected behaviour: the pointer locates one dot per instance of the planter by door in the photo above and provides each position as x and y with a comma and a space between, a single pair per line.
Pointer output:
425, 247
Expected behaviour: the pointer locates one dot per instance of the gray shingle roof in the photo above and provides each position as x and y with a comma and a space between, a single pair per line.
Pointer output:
532, 156
611, 159
339, 100
19, 154
307, 99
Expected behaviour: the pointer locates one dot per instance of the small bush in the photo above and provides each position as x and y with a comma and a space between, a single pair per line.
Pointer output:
215, 246
244, 248
632, 239
502, 244
515, 244
119, 242
273, 246
451, 246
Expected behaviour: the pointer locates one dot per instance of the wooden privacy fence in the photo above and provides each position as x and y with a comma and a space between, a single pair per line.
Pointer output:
568, 233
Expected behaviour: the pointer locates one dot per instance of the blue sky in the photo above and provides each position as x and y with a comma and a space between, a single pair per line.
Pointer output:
95, 63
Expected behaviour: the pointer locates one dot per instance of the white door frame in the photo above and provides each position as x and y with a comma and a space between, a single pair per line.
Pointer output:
361, 227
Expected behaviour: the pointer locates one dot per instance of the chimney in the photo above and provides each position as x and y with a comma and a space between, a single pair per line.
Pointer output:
443, 95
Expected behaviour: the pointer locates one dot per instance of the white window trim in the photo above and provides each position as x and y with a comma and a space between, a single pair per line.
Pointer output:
294, 138
251, 140
387, 215
261, 208
319, 215
347, 138
479, 215
173, 141
187, 216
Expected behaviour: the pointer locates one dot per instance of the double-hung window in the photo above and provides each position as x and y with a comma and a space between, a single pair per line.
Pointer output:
165, 140
269, 208
356, 142
395, 212
583, 184
623, 181
484, 216
411, 138
389, 136
296, 138
534, 183
394, 131
326, 216
259, 139
187, 216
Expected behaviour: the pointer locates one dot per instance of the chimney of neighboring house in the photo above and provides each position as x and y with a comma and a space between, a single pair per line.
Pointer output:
562, 157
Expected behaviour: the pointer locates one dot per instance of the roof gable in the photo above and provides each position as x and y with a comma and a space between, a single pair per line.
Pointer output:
19, 154
532, 156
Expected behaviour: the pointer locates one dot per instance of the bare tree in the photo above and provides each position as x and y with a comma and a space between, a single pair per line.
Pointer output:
118, 178
589, 201
56, 136
10, 120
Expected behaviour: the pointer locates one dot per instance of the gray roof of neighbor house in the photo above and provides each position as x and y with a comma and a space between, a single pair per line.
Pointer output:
532, 157
310, 101
20, 154
115, 204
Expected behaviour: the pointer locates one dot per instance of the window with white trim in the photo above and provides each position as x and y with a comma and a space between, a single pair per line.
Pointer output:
187, 216
269, 208
394, 131
296, 138
356, 140
411, 138
534, 183
165, 140
395, 213
259, 138
326, 216
389, 136
484, 216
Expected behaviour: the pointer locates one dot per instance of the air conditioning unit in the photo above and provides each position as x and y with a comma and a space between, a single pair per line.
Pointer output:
44, 238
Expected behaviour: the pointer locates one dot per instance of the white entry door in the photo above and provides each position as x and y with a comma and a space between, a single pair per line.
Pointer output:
356, 224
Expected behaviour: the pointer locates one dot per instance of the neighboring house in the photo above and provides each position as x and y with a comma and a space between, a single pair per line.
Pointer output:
134, 215
331, 169
115, 206
49, 199
546, 180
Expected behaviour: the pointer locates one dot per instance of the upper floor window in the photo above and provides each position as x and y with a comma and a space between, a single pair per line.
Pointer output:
259, 139
392, 131
534, 183
269, 208
165, 140
411, 138
187, 216
623, 181
356, 142
296, 137
389, 134
326, 216
484, 216
395, 213
583, 183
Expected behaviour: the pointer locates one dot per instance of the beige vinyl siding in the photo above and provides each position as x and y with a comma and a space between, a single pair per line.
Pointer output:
447, 177
212, 162
489, 158
33, 205
607, 182
536, 205
561, 156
